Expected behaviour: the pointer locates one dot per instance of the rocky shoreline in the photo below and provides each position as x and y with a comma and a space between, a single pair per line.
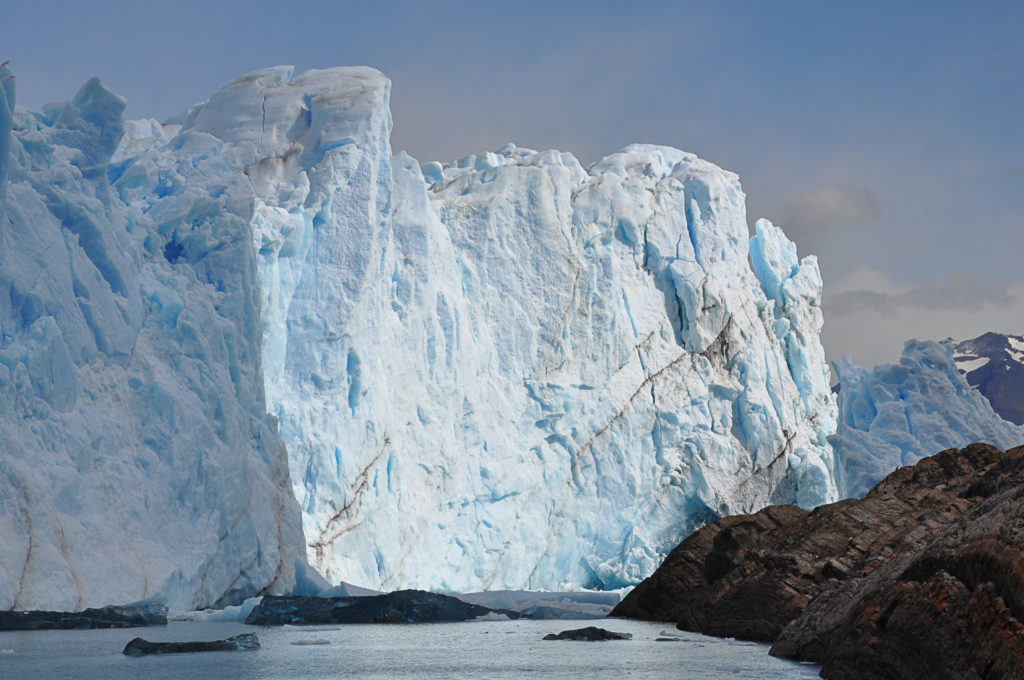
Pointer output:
114, 616
922, 578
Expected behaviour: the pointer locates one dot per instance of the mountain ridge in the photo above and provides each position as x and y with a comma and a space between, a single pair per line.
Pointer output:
993, 364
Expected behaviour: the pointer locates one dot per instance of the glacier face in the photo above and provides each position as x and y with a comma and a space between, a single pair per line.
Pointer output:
505, 372
511, 371
137, 455
896, 414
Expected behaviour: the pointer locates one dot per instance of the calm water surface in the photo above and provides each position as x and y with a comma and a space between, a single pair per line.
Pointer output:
494, 649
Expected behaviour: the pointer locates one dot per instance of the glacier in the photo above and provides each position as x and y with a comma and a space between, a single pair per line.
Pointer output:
510, 371
897, 414
138, 458
504, 372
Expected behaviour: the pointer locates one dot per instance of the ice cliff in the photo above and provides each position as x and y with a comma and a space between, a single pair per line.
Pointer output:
137, 458
510, 371
896, 414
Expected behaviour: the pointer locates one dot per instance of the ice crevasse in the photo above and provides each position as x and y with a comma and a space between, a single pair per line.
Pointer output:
508, 371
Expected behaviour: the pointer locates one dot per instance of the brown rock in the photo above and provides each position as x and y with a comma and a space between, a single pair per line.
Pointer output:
688, 586
922, 578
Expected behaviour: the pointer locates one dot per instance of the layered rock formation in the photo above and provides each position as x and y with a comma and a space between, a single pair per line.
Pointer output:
919, 579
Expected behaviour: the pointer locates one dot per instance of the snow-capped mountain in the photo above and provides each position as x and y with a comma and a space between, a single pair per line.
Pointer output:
507, 371
896, 414
993, 364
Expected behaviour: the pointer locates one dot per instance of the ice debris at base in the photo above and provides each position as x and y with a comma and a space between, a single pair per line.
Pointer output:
347, 590
896, 414
236, 613
137, 456
492, 616
503, 372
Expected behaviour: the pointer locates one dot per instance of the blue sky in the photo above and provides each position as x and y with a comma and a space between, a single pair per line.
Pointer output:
884, 137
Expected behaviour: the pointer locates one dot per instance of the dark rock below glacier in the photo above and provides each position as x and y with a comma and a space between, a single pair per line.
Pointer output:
922, 578
238, 643
123, 616
402, 606
588, 634
545, 613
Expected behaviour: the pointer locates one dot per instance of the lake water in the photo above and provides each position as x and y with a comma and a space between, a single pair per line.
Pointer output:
491, 649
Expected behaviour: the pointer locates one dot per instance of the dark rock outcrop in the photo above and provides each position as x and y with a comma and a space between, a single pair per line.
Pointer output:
588, 634
122, 616
238, 643
693, 586
545, 613
922, 578
402, 606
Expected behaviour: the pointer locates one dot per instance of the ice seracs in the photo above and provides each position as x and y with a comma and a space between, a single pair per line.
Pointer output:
896, 414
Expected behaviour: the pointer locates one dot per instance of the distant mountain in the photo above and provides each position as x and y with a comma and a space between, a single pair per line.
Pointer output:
993, 364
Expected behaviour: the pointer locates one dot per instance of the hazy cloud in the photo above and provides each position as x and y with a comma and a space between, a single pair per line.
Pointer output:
860, 300
814, 212
871, 315
960, 291
1014, 171
957, 292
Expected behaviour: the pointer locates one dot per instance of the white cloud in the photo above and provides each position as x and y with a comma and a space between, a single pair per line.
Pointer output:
813, 212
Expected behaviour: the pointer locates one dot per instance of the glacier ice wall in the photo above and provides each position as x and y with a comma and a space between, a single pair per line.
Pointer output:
511, 371
896, 414
137, 458
505, 372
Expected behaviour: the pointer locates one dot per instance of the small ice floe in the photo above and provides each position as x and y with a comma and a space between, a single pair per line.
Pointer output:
234, 614
492, 616
314, 641
311, 629
6, 651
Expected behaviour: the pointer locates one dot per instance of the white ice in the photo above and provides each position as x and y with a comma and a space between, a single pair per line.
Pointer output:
508, 371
